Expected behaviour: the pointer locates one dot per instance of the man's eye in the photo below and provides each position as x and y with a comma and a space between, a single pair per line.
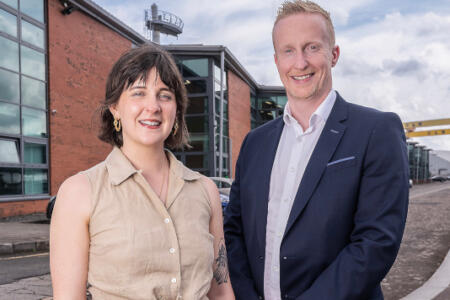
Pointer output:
313, 47
137, 94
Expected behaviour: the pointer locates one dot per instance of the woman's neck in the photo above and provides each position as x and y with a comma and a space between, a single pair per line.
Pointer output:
150, 160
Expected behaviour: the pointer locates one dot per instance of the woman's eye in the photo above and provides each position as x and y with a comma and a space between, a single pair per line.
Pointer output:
165, 97
137, 94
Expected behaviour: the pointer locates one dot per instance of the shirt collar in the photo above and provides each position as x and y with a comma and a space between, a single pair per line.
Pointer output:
120, 168
322, 112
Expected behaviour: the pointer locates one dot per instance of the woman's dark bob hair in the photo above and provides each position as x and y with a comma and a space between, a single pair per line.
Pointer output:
133, 66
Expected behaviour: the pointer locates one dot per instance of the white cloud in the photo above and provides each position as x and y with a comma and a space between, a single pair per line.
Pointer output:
394, 63
399, 64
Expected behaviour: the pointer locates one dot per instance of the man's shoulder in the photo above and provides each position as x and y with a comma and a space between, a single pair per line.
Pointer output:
367, 115
266, 128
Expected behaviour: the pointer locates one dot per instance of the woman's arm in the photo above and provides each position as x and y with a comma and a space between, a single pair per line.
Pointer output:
220, 284
69, 239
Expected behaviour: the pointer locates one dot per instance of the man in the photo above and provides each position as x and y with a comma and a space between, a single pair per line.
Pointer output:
319, 202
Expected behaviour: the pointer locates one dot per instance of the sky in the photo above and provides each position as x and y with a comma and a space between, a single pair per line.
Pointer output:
394, 54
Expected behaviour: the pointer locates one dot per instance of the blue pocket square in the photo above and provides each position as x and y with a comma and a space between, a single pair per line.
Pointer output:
340, 160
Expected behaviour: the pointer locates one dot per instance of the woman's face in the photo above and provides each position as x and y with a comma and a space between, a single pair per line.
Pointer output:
147, 111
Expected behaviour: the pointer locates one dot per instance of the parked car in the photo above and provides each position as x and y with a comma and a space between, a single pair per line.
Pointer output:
224, 186
439, 178
50, 205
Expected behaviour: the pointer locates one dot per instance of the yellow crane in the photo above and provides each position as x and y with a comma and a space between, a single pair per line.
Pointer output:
410, 128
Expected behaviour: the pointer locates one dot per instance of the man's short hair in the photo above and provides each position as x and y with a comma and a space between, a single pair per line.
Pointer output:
293, 7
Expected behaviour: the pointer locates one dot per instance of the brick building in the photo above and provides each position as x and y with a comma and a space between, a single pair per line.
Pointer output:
55, 57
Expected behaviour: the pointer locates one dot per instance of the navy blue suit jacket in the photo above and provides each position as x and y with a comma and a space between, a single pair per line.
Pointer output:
348, 216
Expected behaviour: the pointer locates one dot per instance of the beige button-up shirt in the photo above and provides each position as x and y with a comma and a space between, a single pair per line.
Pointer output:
141, 248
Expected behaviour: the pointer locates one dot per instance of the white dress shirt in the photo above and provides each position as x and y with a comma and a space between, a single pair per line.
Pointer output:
293, 153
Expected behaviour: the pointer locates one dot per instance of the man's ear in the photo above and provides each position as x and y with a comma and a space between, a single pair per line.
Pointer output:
335, 55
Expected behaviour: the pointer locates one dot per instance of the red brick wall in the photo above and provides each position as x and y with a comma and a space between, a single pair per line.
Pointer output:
81, 54
238, 113
8, 209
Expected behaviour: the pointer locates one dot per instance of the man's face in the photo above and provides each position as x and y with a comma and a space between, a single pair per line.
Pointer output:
304, 56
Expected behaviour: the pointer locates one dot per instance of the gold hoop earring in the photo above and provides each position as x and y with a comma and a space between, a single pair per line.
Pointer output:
175, 128
117, 124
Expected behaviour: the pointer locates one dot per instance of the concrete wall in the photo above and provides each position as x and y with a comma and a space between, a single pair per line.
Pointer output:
239, 114
439, 165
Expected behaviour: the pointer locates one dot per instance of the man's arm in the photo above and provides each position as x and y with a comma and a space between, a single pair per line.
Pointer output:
379, 219
238, 264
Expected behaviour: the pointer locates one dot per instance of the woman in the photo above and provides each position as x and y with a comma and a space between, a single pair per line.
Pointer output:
140, 225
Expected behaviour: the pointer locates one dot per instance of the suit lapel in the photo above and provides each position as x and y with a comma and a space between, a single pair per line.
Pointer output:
266, 157
325, 147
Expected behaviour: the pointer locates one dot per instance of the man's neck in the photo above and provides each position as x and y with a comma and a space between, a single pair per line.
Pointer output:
302, 110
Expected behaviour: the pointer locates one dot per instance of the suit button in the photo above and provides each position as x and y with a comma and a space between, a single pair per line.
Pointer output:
261, 297
284, 257
260, 257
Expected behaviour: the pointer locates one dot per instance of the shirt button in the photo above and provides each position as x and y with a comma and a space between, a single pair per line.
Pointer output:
275, 269
171, 250
166, 220
292, 169
279, 234
285, 199
174, 280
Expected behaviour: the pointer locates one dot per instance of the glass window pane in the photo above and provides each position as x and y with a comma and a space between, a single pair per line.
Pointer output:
9, 86
195, 86
199, 143
33, 8
9, 57
10, 181
34, 122
8, 23
195, 67
197, 161
12, 3
32, 34
33, 92
36, 181
9, 118
9, 152
35, 153
197, 124
32, 63
197, 105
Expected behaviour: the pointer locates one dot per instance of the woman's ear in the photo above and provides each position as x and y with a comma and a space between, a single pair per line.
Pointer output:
114, 111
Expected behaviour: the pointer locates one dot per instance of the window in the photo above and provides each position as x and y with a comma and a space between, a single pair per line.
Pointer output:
195, 73
23, 100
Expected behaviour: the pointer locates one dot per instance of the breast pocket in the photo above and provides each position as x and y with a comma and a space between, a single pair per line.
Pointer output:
342, 163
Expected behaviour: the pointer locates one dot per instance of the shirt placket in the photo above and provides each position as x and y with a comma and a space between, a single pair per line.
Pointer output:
174, 247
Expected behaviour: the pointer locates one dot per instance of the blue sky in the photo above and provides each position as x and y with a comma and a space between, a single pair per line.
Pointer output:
395, 55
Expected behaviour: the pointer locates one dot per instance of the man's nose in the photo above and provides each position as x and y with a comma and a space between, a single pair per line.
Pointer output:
301, 61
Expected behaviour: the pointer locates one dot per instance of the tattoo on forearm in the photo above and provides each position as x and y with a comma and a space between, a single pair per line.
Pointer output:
221, 264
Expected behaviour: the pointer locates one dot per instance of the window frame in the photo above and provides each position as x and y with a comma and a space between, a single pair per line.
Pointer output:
21, 138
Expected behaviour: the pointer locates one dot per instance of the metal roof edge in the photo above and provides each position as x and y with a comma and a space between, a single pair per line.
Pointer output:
100, 14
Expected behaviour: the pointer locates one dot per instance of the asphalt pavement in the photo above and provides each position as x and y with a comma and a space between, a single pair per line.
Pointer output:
421, 271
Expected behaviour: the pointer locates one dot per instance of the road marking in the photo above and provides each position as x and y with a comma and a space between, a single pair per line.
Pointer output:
437, 283
24, 256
